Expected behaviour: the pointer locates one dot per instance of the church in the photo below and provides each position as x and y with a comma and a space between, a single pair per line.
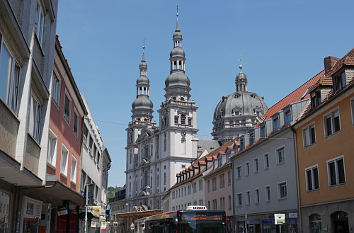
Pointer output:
157, 152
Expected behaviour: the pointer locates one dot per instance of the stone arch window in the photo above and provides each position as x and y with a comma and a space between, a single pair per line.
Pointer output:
315, 223
183, 119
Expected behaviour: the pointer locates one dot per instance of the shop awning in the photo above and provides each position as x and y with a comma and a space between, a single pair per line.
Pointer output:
10, 171
55, 193
139, 214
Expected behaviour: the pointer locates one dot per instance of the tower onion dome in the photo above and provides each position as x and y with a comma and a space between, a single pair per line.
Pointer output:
142, 101
177, 75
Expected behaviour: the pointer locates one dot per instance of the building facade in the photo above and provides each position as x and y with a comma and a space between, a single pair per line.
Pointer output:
27, 41
325, 151
264, 170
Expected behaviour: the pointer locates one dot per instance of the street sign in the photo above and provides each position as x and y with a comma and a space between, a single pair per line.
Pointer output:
292, 215
132, 227
279, 219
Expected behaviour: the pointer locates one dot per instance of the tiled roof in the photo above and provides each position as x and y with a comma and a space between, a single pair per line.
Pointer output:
348, 59
294, 96
202, 161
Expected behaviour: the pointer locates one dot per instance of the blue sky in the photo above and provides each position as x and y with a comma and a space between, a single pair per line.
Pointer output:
282, 44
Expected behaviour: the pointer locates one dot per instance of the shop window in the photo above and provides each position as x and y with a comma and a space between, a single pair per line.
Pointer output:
315, 223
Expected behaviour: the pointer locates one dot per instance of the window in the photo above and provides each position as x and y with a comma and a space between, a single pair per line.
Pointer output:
280, 155
239, 199
200, 185
39, 23
276, 122
256, 165
35, 118
73, 169
213, 182
64, 160
67, 108
287, 116
251, 136
339, 82
222, 203
282, 190
208, 185
268, 193
200, 202
239, 172
336, 171
189, 121
52, 147
9, 78
266, 161
263, 131
257, 197
247, 169
222, 181
164, 142
248, 198
332, 123
312, 181
215, 204
176, 119
194, 187
56, 89
208, 205
229, 178
230, 203
183, 119
315, 99
164, 178
76, 124
309, 135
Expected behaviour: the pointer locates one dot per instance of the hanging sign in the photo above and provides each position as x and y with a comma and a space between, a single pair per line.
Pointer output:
103, 226
279, 219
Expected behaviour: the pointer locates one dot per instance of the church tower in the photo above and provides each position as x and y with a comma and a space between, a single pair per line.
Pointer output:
177, 114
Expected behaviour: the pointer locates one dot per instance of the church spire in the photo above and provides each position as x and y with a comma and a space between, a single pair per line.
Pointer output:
177, 24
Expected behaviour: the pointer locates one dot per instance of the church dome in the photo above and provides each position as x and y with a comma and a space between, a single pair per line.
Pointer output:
177, 51
177, 78
143, 80
142, 102
238, 104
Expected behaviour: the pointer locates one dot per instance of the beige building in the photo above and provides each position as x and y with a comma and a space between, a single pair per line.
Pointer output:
324, 142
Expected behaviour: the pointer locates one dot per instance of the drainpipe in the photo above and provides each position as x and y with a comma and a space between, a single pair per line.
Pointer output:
296, 179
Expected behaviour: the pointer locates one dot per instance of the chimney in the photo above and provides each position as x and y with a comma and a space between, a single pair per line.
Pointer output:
329, 63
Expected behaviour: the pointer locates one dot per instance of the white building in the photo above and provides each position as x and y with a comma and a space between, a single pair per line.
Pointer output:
155, 153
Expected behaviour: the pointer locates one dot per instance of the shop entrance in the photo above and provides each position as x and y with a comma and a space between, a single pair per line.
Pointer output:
340, 222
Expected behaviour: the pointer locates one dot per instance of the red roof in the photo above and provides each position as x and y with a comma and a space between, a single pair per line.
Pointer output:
348, 59
293, 97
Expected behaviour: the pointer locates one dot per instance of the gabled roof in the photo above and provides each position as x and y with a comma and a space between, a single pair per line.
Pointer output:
348, 60
295, 96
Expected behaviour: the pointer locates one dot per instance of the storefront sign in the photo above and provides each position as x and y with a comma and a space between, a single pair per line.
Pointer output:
279, 218
292, 215
103, 226
96, 210
62, 212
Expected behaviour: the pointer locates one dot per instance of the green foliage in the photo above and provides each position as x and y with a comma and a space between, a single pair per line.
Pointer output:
111, 191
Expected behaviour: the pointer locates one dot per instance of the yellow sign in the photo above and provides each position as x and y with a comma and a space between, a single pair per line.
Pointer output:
96, 210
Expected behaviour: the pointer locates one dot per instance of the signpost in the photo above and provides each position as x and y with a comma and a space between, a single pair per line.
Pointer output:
279, 219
